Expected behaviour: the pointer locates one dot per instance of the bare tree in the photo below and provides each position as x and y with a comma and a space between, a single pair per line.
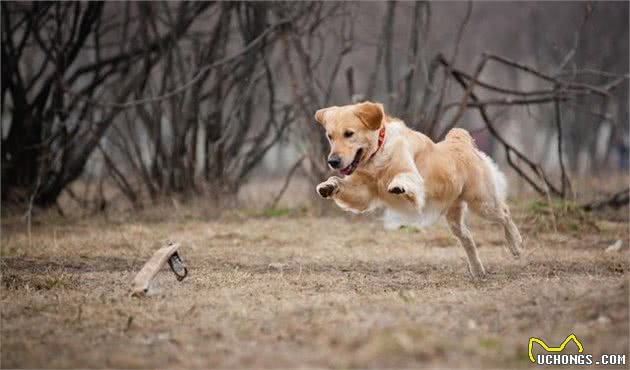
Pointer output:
59, 61
208, 136
187, 98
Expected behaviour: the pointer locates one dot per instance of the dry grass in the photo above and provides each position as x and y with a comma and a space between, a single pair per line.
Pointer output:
285, 289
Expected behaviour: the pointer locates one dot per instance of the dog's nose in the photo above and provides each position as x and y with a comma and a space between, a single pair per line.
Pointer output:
334, 161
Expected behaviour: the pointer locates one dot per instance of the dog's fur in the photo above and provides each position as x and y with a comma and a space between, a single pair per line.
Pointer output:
417, 180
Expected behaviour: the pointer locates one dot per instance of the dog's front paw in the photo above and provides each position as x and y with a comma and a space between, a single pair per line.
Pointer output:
396, 189
327, 189
409, 186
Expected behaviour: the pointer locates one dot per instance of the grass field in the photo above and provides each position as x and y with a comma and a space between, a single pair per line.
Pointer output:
285, 289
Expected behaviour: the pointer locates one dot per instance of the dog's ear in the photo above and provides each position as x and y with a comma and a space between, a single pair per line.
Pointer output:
319, 115
371, 114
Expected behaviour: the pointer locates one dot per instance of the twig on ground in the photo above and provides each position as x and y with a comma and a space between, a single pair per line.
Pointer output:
616, 201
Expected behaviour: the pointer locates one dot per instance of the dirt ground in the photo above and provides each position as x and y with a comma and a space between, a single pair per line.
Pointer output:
286, 289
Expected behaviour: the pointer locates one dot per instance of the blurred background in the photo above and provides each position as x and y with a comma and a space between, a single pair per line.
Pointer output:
123, 105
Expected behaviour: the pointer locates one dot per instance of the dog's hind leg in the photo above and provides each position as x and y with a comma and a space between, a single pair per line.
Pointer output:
489, 203
500, 213
456, 217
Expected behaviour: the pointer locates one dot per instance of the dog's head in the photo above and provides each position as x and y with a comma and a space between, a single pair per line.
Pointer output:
352, 131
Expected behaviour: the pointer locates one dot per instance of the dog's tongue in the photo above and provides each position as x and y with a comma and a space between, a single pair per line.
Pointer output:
346, 171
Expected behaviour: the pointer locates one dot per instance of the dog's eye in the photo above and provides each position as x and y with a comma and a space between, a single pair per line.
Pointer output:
348, 134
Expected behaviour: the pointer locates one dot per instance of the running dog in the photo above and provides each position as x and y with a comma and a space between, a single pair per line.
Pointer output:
385, 163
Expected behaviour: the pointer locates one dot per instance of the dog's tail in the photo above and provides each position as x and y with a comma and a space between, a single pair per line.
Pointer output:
498, 178
461, 135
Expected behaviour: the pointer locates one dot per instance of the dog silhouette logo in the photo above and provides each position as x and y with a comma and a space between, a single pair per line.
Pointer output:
560, 348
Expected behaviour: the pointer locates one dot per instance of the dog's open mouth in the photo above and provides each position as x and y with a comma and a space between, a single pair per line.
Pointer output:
346, 171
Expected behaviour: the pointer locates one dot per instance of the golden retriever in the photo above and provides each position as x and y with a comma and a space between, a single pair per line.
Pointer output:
385, 163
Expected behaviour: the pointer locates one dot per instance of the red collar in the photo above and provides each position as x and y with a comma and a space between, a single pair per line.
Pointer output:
381, 140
